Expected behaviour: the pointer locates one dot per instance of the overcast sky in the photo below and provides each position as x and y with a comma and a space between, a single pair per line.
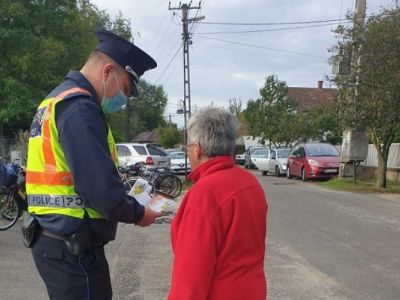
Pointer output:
234, 65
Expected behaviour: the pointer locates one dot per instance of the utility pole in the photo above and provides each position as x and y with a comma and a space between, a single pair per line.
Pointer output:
186, 40
184, 111
355, 140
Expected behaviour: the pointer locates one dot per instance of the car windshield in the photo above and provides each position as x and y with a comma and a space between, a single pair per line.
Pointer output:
321, 150
283, 153
177, 155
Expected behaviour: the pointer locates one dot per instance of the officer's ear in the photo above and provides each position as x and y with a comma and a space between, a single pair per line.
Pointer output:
108, 70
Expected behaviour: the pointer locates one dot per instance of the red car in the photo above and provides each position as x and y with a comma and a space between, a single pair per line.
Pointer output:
313, 160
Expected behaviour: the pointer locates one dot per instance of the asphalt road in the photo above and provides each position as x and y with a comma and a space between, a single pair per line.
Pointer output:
325, 244
321, 245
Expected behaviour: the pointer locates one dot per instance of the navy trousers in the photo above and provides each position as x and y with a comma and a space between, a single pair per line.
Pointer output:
67, 276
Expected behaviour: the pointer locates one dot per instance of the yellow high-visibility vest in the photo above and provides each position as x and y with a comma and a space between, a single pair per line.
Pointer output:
49, 182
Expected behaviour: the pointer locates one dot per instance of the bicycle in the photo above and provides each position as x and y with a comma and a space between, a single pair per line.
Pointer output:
13, 199
162, 180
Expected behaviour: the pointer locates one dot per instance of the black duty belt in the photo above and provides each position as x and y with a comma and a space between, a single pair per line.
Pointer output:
75, 245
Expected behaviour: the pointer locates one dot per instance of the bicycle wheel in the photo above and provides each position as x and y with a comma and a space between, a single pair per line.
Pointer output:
9, 210
130, 182
169, 184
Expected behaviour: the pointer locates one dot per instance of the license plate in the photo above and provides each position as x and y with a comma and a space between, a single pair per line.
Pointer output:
330, 171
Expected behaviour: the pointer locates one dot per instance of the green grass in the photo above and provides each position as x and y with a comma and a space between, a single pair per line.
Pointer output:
364, 186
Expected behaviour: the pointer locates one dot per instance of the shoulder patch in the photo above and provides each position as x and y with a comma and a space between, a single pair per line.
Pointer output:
36, 127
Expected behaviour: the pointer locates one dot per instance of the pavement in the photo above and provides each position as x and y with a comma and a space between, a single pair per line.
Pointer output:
322, 244
140, 262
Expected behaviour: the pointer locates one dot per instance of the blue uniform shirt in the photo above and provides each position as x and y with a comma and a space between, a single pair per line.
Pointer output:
83, 136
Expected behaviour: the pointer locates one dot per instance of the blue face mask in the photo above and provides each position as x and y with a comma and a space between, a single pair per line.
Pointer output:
115, 103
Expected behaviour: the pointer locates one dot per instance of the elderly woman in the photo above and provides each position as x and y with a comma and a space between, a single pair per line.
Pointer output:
218, 234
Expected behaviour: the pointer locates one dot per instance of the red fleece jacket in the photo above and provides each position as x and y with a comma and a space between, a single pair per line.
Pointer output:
218, 235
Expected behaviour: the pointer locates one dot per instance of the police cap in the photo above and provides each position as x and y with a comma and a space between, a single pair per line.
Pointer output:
134, 60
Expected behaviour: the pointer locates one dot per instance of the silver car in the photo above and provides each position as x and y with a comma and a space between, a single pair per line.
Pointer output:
178, 162
151, 155
271, 161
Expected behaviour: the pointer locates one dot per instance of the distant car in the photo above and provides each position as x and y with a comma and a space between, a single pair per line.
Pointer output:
271, 161
178, 162
239, 159
247, 156
151, 155
313, 160
168, 151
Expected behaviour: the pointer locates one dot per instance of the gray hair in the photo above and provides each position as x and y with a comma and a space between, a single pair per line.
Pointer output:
214, 129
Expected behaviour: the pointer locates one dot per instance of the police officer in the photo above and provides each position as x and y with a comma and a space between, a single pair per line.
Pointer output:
74, 191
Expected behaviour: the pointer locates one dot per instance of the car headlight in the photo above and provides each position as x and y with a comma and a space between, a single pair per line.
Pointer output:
313, 162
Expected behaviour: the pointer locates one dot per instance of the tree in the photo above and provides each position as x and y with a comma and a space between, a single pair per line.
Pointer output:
169, 136
324, 125
142, 113
273, 116
40, 41
372, 93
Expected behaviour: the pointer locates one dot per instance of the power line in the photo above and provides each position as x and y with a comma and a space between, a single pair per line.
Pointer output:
165, 69
261, 47
270, 23
158, 29
165, 39
171, 49
266, 30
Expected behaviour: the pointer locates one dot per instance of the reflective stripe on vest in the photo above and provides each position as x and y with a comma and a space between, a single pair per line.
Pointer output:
49, 182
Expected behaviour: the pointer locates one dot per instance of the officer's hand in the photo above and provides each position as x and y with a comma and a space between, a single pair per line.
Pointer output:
148, 217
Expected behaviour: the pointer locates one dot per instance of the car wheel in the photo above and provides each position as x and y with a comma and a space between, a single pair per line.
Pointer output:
288, 175
303, 174
264, 173
277, 171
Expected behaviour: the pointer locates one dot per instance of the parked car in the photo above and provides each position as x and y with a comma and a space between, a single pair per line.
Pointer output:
168, 151
239, 158
313, 160
272, 160
178, 162
247, 156
151, 155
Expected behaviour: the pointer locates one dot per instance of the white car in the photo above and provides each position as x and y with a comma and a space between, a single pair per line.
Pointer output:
178, 162
151, 155
272, 160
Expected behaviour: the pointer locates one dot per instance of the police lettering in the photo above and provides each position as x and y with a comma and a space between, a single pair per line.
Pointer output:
55, 200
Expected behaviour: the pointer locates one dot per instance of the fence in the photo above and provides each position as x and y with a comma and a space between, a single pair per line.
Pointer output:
13, 148
393, 158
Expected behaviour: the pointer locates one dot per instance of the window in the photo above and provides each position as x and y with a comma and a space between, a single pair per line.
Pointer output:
321, 150
153, 150
273, 154
302, 152
141, 150
283, 153
295, 150
260, 154
123, 151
